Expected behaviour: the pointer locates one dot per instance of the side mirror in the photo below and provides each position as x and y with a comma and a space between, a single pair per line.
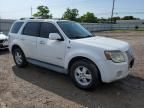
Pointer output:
54, 36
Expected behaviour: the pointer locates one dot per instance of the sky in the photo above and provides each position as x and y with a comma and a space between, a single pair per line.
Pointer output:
15, 9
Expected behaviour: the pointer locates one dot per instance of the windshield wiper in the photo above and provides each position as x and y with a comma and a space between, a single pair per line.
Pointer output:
76, 37
80, 37
90, 36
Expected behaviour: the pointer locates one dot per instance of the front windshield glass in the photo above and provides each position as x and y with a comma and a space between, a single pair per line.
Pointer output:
74, 30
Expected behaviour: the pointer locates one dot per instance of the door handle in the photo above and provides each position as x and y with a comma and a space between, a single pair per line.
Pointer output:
42, 42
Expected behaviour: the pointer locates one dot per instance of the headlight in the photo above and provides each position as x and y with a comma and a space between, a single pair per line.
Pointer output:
115, 56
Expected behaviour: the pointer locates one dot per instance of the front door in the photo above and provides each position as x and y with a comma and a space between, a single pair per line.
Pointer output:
50, 51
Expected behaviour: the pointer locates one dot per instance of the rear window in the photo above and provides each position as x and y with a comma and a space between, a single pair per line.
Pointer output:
32, 29
16, 27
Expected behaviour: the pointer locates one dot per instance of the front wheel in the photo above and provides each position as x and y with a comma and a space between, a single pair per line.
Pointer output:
19, 57
85, 74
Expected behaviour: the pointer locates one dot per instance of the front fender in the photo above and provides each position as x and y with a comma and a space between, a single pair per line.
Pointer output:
80, 53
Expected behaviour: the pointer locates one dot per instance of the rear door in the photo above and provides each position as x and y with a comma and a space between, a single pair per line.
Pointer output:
29, 38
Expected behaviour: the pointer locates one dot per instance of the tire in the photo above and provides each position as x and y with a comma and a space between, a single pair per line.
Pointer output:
19, 58
91, 76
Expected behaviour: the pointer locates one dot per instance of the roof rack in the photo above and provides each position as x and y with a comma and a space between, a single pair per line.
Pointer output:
39, 18
32, 18
56, 18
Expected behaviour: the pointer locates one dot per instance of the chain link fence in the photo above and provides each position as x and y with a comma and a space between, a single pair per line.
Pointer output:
5, 25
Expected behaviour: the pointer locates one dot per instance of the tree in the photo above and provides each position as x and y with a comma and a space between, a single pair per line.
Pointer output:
128, 18
114, 19
43, 12
89, 18
102, 20
71, 14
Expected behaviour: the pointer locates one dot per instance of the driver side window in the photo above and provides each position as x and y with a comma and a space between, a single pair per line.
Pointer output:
46, 29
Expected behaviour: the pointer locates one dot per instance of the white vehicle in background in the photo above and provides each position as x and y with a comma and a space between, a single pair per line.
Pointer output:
3, 41
67, 47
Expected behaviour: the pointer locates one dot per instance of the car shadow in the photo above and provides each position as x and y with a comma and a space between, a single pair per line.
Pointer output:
126, 93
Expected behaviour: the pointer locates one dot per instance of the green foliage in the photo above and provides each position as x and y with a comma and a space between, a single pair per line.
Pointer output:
114, 19
71, 14
128, 18
89, 18
43, 12
102, 20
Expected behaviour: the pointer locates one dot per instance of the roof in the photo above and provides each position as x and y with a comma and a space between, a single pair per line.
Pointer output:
41, 20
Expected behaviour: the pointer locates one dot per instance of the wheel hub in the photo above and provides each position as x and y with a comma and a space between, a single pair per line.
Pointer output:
83, 75
18, 58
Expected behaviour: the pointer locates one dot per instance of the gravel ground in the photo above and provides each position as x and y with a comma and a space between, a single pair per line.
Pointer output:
34, 87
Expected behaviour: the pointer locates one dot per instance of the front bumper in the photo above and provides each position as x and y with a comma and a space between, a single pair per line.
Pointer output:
114, 71
4, 45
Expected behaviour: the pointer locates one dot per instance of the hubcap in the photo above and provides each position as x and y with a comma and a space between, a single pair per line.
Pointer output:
83, 75
18, 57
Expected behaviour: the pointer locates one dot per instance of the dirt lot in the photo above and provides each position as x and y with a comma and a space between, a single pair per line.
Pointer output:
35, 87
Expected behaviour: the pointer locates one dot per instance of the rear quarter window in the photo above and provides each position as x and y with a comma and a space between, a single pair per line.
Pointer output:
16, 27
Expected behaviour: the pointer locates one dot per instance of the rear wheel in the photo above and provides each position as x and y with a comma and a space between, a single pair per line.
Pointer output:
19, 57
85, 74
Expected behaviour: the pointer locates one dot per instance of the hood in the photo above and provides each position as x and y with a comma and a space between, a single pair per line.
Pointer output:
105, 43
2, 36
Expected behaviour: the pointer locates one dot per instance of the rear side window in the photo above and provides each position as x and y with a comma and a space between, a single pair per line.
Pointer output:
31, 29
16, 27
46, 29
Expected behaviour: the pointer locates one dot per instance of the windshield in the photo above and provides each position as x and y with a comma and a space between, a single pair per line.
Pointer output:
74, 30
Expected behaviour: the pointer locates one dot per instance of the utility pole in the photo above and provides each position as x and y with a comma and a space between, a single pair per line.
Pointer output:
31, 11
113, 7
0, 24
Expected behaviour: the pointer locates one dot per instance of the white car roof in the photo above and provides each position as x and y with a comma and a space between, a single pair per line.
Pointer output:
41, 20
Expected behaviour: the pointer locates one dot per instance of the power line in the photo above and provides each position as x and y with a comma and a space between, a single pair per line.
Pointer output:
116, 13
138, 9
129, 13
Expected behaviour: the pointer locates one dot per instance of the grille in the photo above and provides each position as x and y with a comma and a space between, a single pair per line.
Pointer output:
1, 41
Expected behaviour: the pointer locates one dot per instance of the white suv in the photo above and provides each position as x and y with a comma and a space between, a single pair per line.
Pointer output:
67, 47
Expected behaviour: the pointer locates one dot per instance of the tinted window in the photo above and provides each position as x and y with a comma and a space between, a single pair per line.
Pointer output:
46, 29
16, 27
32, 29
